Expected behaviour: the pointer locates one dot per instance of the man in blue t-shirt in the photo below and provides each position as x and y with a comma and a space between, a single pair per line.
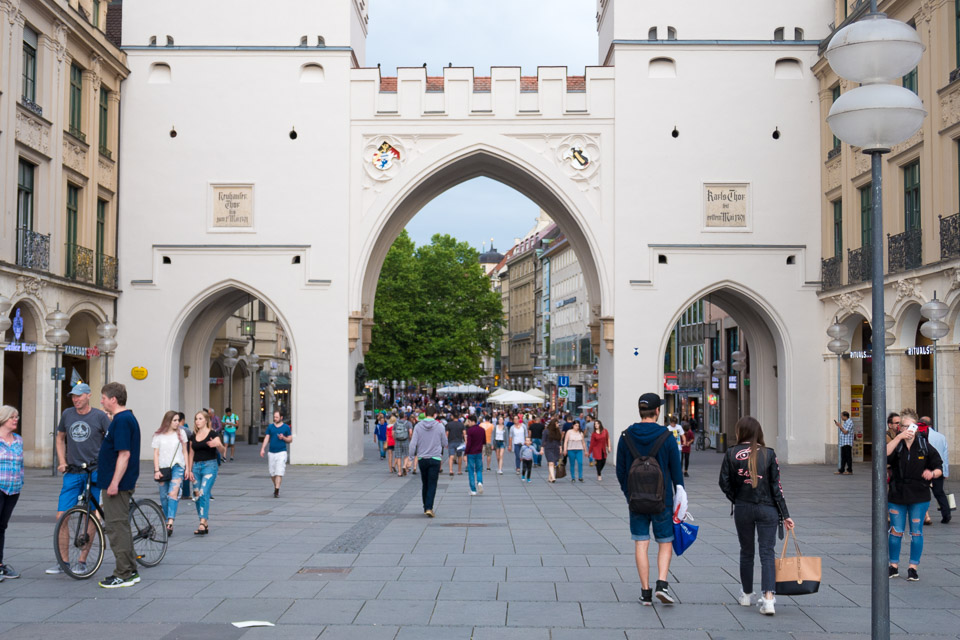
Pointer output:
275, 443
118, 467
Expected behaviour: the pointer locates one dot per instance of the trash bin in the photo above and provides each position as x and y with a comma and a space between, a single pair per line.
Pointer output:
253, 435
721, 443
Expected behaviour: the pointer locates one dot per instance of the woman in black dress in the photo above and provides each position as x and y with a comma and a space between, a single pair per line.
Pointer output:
550, 449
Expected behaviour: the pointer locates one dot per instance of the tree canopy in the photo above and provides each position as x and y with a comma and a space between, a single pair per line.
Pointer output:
435, 315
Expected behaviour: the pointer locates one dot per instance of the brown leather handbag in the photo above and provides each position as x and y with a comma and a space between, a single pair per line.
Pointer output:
799, 575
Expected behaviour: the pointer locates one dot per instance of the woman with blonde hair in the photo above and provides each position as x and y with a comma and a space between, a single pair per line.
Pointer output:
11, 477
750, 478
202, 465
169, 452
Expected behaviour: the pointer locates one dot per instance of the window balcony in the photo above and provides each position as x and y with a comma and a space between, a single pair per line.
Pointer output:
833, 153
859, 264
905, 251
31, 106
107, 271
950, 237
80, 263
831, 273
33, 249
106, 153
76, 133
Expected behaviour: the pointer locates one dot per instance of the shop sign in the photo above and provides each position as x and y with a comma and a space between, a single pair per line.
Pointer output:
81, 352
139, 373
216, 381
858, 355
920, 350
732, 383
21, 347
715, 383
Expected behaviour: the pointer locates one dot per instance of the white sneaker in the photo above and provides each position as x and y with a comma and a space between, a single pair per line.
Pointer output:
745, 599
473, 493
766, 606
54, 570
480, 488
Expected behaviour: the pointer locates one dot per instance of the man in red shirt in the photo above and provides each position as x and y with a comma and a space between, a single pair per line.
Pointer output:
476, 439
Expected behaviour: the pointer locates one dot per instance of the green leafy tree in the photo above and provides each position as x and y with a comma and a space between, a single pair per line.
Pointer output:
435, 314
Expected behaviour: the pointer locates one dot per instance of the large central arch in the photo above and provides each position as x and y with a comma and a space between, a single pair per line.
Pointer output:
509, 163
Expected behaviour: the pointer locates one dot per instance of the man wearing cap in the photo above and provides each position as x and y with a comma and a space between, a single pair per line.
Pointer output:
79, 435
643, 437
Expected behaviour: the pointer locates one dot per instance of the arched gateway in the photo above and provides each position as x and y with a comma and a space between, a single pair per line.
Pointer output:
294, 168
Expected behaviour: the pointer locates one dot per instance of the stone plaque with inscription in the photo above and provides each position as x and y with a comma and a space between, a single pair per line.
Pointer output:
726, 206
232, 205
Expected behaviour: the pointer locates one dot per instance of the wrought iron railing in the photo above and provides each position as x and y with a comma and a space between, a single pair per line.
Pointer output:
105, 152
30, 105
33, 249
107, 271
859, 264
80, 263
76, 133
831, 275
833, 153
905, 250
955, 74
950, 237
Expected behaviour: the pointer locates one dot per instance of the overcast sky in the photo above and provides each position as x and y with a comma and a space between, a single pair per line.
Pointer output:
480, 34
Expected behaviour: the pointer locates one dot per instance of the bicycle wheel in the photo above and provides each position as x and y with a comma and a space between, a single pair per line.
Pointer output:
79, 543
149, 530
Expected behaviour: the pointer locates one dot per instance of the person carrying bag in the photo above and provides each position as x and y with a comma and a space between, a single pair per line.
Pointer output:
750, 478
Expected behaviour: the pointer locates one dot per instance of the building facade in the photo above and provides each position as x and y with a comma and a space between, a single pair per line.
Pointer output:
655, 222
921, 197
60, 82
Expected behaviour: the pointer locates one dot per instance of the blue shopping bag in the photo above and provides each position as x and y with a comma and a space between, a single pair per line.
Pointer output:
684, 535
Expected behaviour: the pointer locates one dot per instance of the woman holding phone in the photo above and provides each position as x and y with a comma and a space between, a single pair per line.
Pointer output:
914, 463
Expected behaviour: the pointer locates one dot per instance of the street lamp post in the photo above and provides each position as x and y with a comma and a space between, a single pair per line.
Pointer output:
934, 329
720, 371
252, 360
876, 116
5, 322
57, 336
739, 364
838, 346
702, 375
229, 361
107, 344
393, 400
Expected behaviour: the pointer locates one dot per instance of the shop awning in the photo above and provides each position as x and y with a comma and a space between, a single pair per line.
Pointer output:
283, 382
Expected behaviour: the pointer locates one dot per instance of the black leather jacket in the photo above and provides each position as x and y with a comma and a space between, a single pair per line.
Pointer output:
735, 478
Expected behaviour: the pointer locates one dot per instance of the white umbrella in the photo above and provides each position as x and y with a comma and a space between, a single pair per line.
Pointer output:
496, 394
533, 391
516, 397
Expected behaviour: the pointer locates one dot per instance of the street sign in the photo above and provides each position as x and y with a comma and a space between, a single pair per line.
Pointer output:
563, 392
563, 381
58, 373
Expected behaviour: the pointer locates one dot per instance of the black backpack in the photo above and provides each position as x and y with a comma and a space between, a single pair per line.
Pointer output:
645, 479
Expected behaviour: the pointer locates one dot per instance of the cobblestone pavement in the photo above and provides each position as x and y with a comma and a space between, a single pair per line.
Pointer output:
346, 552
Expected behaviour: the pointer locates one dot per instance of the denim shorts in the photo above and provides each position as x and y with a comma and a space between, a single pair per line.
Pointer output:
662, 526
72, 487
229, 439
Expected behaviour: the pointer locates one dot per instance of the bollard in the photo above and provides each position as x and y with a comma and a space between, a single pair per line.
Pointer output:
721, 443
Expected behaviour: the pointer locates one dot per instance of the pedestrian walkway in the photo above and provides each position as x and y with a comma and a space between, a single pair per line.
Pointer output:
346, 552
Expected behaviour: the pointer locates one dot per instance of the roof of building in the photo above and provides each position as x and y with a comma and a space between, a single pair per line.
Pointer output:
115, 22
490, 257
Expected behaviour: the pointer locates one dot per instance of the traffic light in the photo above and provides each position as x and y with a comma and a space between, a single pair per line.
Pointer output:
712, 400
496, 380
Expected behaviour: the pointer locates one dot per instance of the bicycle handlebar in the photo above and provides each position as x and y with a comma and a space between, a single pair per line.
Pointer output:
87, 468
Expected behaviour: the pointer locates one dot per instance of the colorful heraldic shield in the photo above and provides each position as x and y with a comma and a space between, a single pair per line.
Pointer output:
385, 156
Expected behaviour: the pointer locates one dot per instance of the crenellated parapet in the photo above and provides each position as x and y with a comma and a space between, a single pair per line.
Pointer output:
505, 93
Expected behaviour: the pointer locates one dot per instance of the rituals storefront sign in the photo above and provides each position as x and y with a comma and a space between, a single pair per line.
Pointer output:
726, 207
232, 206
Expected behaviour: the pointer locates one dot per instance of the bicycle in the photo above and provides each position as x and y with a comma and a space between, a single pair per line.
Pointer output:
78, 540
701, 444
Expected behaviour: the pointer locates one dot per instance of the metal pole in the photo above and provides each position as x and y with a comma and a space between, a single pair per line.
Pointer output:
936, 423
56, 405
880, 590
839, 407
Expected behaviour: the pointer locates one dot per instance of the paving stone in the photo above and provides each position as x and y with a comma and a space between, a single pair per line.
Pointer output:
531, 614
468, 591
234, 609
434, 633
395, 612
358, 590
332, 612
461, 613
175, 610
364, 632
33, 609
520, 633
529, 592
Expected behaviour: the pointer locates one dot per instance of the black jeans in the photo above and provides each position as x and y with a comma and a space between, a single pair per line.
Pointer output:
600, 462
7, 503
762, 519
938, 494
846, 458
685, 458
429, 473
527, 469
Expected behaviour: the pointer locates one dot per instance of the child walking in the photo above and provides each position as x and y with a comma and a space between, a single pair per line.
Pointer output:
526, 459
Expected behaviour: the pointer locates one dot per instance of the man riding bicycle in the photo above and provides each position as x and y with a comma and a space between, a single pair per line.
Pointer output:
79, 436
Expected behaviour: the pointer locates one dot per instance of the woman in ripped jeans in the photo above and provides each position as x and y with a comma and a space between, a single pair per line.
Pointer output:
170, 450
914, 462
202, 465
